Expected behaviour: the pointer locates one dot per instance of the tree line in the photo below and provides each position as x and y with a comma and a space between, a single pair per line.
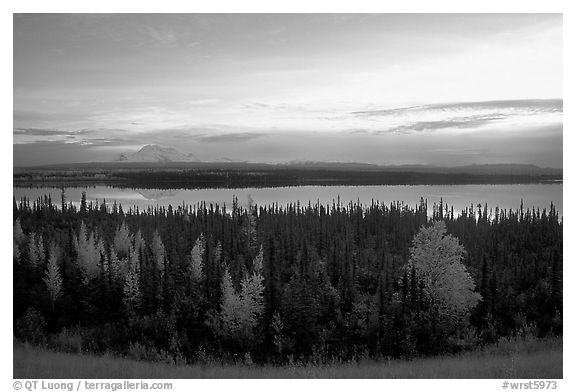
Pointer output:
282, 283
266, 176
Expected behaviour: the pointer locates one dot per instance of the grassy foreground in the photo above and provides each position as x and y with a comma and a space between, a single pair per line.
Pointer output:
510, 359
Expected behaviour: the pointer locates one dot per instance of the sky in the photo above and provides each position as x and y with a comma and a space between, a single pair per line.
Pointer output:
392, 89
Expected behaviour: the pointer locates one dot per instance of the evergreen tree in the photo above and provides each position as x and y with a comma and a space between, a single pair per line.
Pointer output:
196, 259
52, 278
131, 289
83, 208
139, 243
18, 235
36, 251
158, 251
15, 252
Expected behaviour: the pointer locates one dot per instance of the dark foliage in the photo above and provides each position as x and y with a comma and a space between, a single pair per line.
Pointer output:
334, 275
204, 175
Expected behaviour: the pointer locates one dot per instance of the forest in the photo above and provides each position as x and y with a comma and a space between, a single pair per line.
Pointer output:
280, 284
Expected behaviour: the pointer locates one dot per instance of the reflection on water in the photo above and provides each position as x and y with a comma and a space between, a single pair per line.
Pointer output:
157, 194
458, 196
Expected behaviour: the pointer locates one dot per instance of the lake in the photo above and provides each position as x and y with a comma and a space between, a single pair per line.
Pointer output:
458, 196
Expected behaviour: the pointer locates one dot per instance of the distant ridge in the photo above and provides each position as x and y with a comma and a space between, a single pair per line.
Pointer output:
178, 161
485, 169
155, 153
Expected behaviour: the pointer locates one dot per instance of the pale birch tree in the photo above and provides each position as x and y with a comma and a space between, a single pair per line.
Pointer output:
437, 261
241, 311
89, 250
122, 240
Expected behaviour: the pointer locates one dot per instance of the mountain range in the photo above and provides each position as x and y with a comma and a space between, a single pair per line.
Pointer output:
155, 157
155, 154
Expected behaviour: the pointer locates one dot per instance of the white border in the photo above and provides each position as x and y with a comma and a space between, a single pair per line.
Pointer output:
248, 6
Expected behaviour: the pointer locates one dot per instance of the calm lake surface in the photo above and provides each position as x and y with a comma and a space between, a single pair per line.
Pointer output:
458, 196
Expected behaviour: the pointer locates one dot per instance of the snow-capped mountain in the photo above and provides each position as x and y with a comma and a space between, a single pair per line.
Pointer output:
155, 153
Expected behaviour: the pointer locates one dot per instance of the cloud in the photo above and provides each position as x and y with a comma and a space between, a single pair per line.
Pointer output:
44, 152
116, 138
462, 151
64, 137
229, 137
454, 123
31, 115
358, 131
203, 102
276, 107
49, 132
93, 142
532, 105
524, 105
462, 115
165, 37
